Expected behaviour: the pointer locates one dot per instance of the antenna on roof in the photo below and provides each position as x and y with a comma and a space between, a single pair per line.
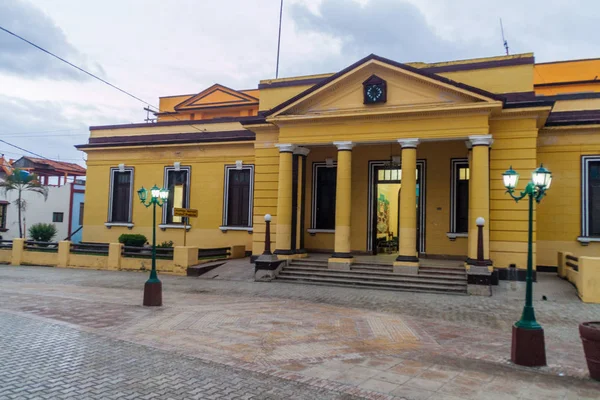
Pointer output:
148, 111
503, 39
279, 40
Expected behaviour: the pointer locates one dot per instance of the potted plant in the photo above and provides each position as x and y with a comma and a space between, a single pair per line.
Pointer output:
590, 336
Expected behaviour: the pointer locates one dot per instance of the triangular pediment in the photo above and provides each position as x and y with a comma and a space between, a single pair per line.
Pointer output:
405, 88
217, 96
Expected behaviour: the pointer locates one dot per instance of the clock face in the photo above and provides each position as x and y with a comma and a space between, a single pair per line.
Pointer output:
374, 93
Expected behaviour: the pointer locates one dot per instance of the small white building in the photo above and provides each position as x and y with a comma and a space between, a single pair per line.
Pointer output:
63, 207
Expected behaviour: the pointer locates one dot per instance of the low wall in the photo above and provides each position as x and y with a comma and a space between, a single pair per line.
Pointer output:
88, 261
5, 256
39, 257
103, 259
584, 273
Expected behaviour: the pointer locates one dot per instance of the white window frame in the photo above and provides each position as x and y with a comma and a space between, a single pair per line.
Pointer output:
110, 198
585, 228
455, 163
225, 227
313, 200
187, 195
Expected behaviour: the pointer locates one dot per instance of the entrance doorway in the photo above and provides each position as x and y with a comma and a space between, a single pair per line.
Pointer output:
385, 183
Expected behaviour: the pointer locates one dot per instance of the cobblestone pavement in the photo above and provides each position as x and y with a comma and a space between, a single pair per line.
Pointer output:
48, 361
366, 343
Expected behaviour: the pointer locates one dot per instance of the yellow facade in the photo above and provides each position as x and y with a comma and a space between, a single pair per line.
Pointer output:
489, 113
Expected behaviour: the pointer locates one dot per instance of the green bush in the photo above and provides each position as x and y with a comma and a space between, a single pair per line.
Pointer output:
42, 232
130, 239
167, 244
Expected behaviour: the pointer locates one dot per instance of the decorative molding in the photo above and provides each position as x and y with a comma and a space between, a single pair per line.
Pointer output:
236, 228
585, 240
301, 151
313, 231
285, 147
452, 235
174, 226
341, 146
481, 140
409, 143
127, 225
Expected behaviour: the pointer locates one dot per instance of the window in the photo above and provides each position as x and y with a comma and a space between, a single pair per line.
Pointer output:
80, 214
178, 184
237, 207
590, 187
57, 217
459, 196
323, 196
3, 207
121, 190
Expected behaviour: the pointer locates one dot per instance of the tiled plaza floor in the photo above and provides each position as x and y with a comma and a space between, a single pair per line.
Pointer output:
366, 343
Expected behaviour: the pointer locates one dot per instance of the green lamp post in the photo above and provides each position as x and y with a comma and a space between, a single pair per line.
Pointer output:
153, 286
528, 347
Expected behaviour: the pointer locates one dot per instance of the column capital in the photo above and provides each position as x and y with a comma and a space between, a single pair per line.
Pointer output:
301, 151
344, 145
409, 143
481, 140
285, 147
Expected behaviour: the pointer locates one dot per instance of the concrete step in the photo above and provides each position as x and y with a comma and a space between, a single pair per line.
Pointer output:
308, 261
406, 286
443, 271
361, 277
368, 273
374, 268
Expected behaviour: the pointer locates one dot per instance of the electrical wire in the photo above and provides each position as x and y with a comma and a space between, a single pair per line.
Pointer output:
90, 74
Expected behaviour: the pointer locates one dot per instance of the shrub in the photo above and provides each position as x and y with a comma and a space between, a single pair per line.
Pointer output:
166, 244
129, 239
42, 232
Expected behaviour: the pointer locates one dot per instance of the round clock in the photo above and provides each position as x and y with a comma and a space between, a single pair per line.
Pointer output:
374, 93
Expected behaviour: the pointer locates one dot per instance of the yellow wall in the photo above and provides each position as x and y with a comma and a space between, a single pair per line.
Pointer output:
514, 144
207, 190
5, 255
496, 80
560, 211
567, 71
272, 97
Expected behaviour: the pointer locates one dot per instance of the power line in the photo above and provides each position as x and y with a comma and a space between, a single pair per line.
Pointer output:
25, 150
75, 66
90, 74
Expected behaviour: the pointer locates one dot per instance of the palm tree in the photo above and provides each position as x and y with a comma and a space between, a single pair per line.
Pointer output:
22, 181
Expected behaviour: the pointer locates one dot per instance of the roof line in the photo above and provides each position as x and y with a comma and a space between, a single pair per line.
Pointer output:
386, 61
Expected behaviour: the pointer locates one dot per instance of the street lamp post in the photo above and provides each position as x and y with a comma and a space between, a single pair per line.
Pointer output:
528, 347
153, 286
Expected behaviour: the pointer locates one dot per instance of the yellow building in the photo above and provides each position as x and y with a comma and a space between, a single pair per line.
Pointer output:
378, 157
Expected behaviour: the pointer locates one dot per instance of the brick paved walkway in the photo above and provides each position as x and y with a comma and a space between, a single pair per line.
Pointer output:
48, 361
371, 344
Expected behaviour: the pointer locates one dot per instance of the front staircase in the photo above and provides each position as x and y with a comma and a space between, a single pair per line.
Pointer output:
372, 275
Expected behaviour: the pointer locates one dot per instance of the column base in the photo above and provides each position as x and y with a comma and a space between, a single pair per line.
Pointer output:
406, 265
528, 347
301, 253
473, 261
266, 267
479, 281
153, 294
340, 261
285, 254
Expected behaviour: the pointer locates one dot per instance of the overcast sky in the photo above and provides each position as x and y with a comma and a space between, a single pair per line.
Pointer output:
155, 48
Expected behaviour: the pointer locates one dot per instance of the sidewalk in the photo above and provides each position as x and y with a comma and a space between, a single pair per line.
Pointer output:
372, 344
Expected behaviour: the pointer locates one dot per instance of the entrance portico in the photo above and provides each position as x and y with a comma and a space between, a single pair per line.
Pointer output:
420, 227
